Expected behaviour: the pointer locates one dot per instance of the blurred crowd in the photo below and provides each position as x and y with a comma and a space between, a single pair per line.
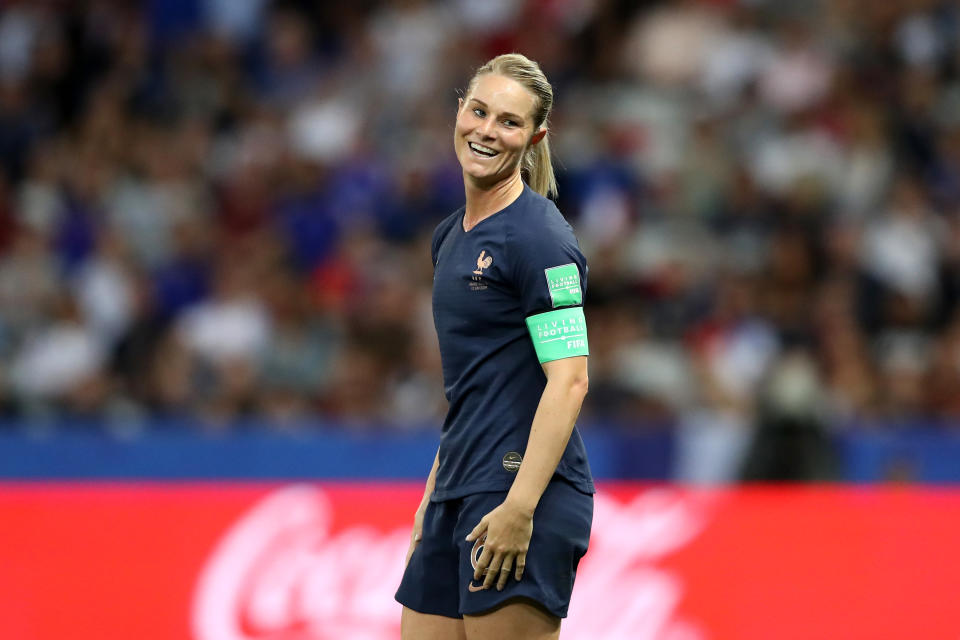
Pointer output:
220, 210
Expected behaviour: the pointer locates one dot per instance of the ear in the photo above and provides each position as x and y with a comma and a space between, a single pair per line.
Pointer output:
459, 104
538, 136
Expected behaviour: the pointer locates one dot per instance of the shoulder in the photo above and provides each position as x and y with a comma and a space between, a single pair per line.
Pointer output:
537, 222
441, 232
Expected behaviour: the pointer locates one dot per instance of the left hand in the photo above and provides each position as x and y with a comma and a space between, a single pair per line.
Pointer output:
508, 530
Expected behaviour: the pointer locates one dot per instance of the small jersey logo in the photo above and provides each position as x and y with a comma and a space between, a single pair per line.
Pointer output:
476, 280
512, 461
563, 283
483, 262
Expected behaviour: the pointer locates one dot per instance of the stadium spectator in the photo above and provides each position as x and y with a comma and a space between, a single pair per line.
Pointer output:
215, 213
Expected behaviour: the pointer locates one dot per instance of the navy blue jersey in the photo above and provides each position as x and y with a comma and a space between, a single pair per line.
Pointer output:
486, 283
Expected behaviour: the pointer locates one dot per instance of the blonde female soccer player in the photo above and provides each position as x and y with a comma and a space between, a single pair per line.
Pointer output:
506, 514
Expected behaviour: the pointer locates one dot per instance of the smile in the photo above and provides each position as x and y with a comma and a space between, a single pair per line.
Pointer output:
479, 149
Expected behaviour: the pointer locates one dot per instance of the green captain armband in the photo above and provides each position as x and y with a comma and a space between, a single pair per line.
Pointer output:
558, 334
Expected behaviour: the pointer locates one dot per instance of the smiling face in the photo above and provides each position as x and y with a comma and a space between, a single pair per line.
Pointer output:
494, 129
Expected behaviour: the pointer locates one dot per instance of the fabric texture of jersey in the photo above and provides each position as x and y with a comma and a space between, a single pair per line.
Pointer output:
486, 283
439, 577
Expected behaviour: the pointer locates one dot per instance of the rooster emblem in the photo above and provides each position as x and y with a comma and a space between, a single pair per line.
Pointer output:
483, 262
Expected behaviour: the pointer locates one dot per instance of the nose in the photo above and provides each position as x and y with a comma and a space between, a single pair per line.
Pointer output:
486, 127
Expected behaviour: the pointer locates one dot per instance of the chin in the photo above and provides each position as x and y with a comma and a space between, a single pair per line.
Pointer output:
476, 172
483, 177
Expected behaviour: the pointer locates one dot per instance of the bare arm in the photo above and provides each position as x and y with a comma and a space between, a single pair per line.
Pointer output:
552, 425
509, 526
431, 480
417, 532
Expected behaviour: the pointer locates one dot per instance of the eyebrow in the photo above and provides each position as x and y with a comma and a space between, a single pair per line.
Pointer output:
505, 113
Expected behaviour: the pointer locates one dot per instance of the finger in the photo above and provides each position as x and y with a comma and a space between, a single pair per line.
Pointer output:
482, 563
521, 565
493, 570
477, 531
505, 571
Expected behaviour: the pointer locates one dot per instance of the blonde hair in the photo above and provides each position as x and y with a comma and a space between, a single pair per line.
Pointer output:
537, 166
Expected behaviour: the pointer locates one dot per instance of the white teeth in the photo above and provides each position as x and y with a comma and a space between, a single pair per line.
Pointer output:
482, 149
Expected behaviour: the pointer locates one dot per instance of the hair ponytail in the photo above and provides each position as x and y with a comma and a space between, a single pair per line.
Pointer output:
537, 166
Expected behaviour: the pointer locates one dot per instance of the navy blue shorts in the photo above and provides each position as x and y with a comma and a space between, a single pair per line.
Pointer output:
439, 577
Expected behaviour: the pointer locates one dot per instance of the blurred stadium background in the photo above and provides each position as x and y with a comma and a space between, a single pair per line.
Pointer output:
214, 265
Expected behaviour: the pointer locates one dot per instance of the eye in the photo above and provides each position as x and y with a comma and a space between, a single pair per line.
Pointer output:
480, 113
510, 123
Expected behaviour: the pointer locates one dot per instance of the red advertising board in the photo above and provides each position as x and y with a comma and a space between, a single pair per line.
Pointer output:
317, 562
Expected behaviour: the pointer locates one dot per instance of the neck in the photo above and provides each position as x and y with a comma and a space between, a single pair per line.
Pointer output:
483, 201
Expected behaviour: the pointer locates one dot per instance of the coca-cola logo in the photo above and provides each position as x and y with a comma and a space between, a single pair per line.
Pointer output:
281, 573
620, 593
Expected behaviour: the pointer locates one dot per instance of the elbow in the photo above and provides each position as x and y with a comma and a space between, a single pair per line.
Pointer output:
579, 385
568, 377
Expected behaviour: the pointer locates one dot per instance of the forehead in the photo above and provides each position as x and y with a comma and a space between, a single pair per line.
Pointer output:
501, 93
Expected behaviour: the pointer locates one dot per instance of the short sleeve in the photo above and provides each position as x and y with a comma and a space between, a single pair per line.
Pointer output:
440, 234
549, 268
